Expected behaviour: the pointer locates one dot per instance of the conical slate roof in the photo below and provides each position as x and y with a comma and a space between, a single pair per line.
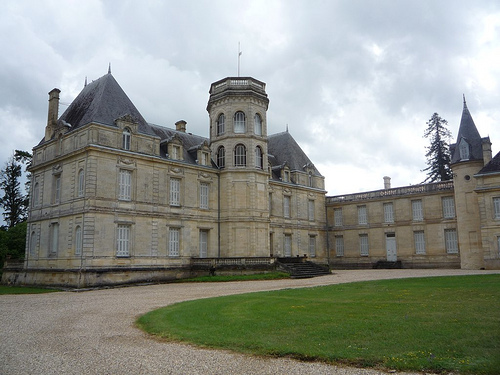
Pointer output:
284, 148
469, 133
102, 101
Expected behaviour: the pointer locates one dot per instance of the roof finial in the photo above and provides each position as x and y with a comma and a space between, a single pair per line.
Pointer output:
287, 128
109, 68
239, 56
465, 104
85, 84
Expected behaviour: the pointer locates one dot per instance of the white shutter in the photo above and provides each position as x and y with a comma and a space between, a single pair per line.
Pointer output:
419, 238
451, 242
363, 245
448, 207
339, 246
416, 207
203, 195
175, 187
337, 217
388, 213
203, 243
173, 242
362, 218
123, 240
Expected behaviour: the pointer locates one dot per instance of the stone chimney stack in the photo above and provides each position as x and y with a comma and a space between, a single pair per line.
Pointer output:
53, 114
486, 150
180, 126
387, 182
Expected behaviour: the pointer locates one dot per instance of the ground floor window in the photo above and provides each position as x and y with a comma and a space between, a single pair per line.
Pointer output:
173, 242
78, 240
451, 241
288, 245
419, 239
312, 246
203, 243
123, 240
339, 246
54, 238
363, 245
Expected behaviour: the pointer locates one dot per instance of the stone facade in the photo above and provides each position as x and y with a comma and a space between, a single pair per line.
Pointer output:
116, 199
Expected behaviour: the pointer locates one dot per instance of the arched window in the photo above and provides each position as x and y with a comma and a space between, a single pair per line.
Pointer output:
239, 122
126, 139
310, 179
464, 150
81, 183
258, 157
240, 156
221, 127
78, 240
258, 124
221, 157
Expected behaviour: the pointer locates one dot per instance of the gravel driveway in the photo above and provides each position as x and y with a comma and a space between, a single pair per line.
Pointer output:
93, 332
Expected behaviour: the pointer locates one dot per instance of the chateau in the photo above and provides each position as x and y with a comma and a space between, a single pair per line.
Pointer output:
116, 199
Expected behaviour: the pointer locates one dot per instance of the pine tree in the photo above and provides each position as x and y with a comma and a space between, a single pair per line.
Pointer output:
13, 202
438, 153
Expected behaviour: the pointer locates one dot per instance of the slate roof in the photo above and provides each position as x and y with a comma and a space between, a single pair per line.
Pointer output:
284, 149
468, 131
190, 142
492, 167
102, 101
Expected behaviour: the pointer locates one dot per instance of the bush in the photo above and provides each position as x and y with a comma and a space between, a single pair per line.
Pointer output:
13, 242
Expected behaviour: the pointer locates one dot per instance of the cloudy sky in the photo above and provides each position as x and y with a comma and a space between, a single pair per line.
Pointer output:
355, 81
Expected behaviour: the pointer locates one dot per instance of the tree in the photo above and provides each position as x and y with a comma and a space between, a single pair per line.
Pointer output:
13, 202
438, 153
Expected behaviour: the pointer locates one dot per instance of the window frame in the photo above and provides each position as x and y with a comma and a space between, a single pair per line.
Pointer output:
364, 245
174, 239
496, 208
448, 205
419, 242
221, 157
312, 246
239, 120
257, 119
203, 243
362, 215
125, 184
388, 213
126, 138
204, 195
339, 246
78, 240
259, 158
287, 200
81, 183
311, 209
338, 220
175, 192
417, 210
240, 155
123, 243
220, 125
451, 241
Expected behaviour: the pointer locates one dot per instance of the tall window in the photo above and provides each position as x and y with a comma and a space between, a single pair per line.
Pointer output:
310, 209
240, 156
312, 246
239, 122
176, 152
310, 180
288, 245
81, 183
258, 124
78, 240
203, 195
126, 139
36, 194
448, 207
451, 241
57, 188
33, 242
362, 217
173, 242
337, 217
203, 243
270, 203
286, 206
417, 211
258, 157
175, 192
339, 246
221, 157
419, 238
463, 149
388, 213
125, 185
54, 238
123, 240
363, 245
496, 207
221, 126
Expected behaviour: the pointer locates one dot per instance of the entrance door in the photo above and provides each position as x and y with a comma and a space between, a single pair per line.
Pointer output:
390, 245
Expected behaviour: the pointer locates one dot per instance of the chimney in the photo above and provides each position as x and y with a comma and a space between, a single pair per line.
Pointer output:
180, 126
486, 150
53, 113
387, 182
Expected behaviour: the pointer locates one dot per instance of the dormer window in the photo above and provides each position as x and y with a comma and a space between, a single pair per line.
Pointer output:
126, 139
463, 148
221, 127
239, 122
176, 152
258, 124
286, 175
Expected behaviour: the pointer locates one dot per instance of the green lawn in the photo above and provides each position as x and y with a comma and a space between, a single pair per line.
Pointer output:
23, 290
427, 324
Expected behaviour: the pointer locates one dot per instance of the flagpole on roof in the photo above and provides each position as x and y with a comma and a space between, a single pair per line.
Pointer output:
239, 55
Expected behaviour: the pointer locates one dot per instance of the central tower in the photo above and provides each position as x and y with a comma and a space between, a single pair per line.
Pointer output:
237, 108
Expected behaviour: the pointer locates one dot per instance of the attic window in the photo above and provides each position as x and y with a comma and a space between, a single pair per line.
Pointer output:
463, 148
286, 175
126, 139
176, 152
